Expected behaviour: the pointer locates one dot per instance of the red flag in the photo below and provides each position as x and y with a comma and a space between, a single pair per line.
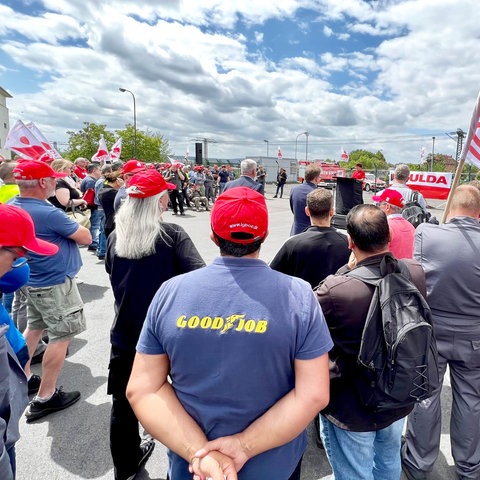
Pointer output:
116, 150
102, 152
471, 149
344, 155
39, 135
279, 155
23, 142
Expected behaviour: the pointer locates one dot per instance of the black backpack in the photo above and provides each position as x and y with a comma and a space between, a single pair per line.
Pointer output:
397, 361
413, 212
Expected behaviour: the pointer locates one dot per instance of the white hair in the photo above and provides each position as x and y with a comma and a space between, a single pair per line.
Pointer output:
27, 184
138, 226
248, 166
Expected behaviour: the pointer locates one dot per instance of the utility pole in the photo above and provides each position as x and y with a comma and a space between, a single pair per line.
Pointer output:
433, 153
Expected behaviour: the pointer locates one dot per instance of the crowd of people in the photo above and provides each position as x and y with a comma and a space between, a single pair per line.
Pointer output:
229, 383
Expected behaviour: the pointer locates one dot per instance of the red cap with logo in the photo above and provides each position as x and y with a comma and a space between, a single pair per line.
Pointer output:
147, 184
34, 170
17, 230
240, 215
389, 195
133, 166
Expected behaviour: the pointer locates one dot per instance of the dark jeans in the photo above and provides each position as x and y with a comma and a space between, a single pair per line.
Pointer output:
176, 198
124, 435
185, 197
280, 187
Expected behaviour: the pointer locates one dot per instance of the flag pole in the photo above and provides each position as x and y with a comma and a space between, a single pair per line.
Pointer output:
474, 122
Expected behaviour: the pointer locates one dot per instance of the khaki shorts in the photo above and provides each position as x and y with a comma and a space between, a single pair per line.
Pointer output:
57, 309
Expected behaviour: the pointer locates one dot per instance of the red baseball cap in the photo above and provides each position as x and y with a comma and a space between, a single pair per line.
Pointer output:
240, 215
389, 195
34, 170
17, 230
148, 183
133, 166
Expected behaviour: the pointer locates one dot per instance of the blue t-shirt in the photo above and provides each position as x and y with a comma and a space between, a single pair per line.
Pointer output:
232, 358
53, 225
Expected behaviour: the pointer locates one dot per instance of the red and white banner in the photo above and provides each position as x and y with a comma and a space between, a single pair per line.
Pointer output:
116, 150
39, 135
23, 142
429, 184
279, 155
102, 154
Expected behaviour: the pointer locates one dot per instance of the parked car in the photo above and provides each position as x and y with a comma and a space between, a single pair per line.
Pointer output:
372, 183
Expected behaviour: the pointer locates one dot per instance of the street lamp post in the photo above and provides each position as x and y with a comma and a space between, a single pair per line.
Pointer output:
433, 153
296, 144
266, 141
123, 90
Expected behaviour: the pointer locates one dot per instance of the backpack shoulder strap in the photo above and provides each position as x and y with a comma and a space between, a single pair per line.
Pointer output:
414, 196
366, 274
372, 275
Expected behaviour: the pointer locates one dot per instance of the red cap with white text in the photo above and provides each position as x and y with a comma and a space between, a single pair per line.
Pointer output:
240, 215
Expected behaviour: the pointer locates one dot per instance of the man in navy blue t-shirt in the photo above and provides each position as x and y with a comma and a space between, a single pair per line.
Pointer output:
248, 371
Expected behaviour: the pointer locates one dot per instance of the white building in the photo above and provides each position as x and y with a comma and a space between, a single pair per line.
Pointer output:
4, 122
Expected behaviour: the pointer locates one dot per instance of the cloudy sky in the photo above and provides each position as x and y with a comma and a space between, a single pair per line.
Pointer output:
386, 74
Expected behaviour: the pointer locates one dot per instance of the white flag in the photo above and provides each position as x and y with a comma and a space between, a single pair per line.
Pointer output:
471, 149
102, 154
23, 142
116, 150
39, 135
344, 154
187, 153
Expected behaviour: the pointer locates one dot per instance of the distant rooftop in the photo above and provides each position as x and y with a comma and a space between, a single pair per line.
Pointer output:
4, 93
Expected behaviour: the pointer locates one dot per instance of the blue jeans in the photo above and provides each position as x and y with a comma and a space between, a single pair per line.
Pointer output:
102, 239
95, 220
363, 455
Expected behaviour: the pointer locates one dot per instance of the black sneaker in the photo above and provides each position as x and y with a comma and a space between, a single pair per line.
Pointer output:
38, 358
147, 446
34, 384
59, 401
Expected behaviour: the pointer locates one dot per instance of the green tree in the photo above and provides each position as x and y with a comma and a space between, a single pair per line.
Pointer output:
151, 146
441, 163
369, 160
84, 143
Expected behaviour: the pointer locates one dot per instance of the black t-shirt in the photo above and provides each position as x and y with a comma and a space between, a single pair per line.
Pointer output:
313, 254
74, 193
135, 282
106, 197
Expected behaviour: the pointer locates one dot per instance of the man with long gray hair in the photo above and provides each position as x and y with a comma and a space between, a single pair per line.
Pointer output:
142, 253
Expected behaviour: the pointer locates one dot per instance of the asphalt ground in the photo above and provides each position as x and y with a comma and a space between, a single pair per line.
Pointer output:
74, 443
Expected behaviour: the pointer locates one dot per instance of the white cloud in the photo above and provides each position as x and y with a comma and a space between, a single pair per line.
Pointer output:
390, 70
